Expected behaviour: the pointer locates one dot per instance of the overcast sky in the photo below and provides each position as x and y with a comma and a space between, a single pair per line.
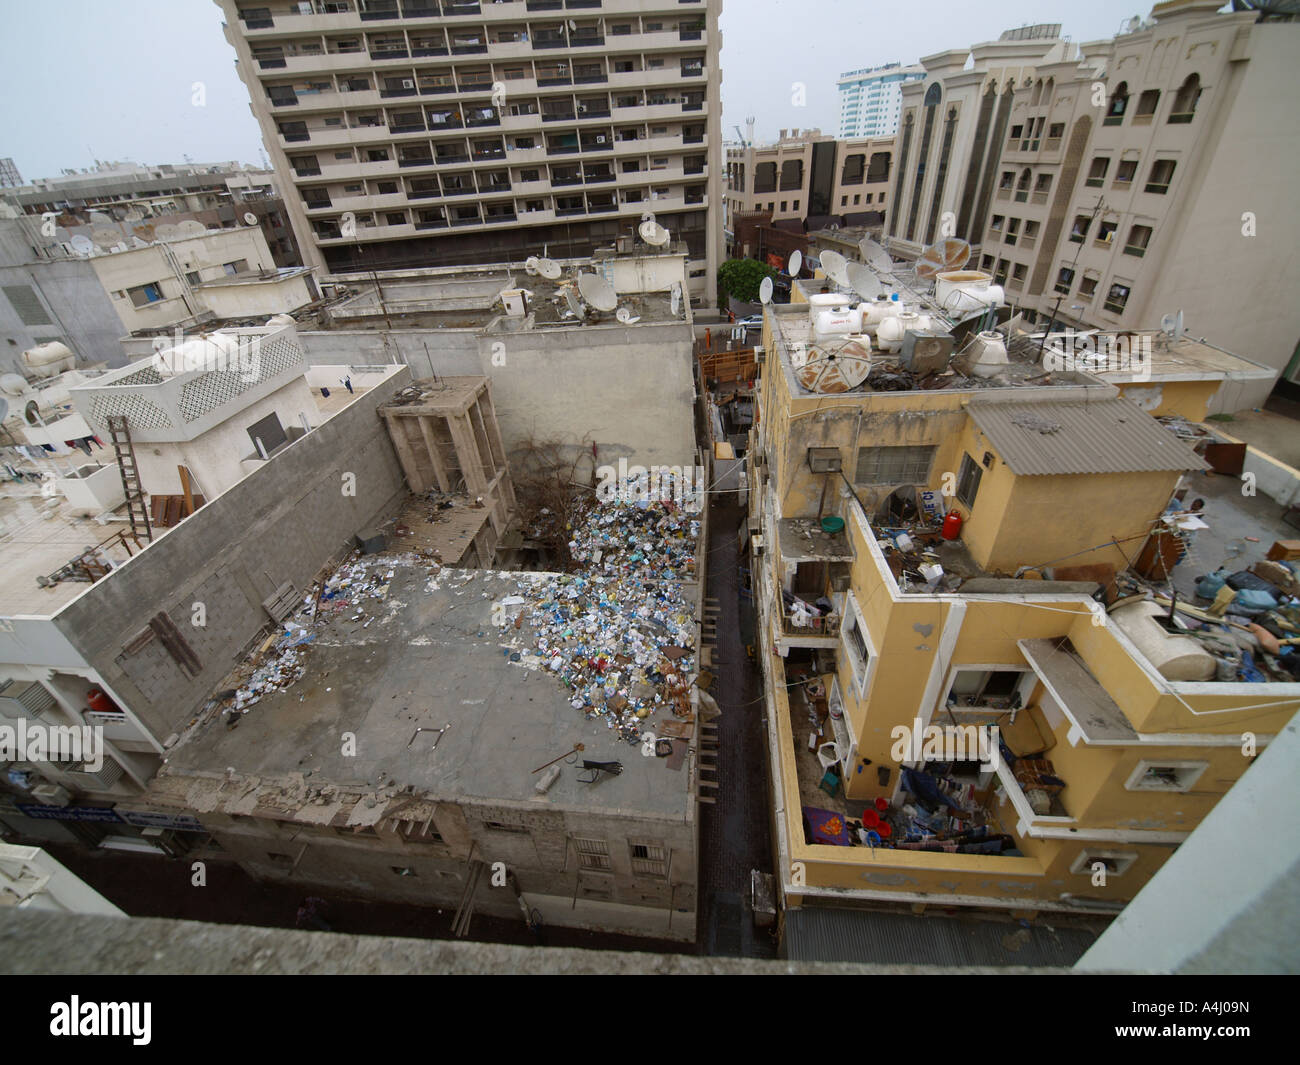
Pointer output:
115, 79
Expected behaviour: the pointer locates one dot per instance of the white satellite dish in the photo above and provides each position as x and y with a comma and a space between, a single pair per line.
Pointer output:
250, 218
166, 231
105, 237
191, 228
625, 315
1172, 325
875, 256
13, 384
863, 281
795, 264
765, 290
676, 298
549, 269
598, 292
99, 216
82, 245
648, 216
653, 233
835, 266
530, 266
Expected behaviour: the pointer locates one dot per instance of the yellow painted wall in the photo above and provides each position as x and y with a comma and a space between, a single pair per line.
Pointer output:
1191, 399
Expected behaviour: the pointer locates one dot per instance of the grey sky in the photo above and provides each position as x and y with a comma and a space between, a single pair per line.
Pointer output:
113, 79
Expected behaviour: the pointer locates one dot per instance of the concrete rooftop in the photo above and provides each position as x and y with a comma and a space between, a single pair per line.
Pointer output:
431, 657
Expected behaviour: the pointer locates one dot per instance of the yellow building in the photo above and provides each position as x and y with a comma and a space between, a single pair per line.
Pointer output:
1111, 745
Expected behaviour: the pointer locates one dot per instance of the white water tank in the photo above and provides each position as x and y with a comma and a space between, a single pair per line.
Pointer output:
879, 309
49, 359
985, 356
890, 332
962, 292
1174, 657
833, 314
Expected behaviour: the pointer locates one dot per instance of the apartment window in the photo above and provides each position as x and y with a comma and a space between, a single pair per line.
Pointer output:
1097, 171
1079, 231
1116, 298
1087, 287
395, 218
142, 295
376, 155
529, 175
239, 266
1165, 776
1031, 232
999, 220
1042, 184
856, 201
796, 205
1114, 863
783, 206
998, 689
648, 858
1064, 280
1138, 239
1007, 181
894, 465
1126, 172
593, 854
1146, 106
1184, 109
844, 201
1013, 230
1000, 274
1017, 132
857, 647
1162, 173
418, 832
968, 481
1056, 131
193, 277
1118, 105
1018, 272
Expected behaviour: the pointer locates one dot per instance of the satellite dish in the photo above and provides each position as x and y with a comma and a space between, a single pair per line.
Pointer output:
863, 281
833, 370
653, 233
765, 290
549, 269
676, 298
250, 218
191, 228
572, 25
105, 237
835, 266
83, 245
32, 413
530, 265
625, 315
875, 256
166, 231
575, 305
1172, 325
947, 254
13, 384
99, 216
796, 262
598, 292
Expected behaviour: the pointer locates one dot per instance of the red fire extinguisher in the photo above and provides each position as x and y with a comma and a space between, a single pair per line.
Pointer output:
952, 525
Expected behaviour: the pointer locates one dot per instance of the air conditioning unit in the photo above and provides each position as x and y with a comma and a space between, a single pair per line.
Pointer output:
52, 794
101, 780
19, 698
924, 352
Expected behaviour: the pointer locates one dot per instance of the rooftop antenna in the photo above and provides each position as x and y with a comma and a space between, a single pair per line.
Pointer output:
1172, 325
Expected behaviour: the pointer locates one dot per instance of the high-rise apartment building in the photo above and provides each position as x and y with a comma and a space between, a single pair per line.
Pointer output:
871, 99
1123, 175
423, 133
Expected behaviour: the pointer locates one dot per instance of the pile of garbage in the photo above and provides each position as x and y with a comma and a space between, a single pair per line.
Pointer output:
620, 633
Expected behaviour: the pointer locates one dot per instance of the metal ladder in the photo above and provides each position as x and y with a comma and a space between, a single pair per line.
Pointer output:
124, 450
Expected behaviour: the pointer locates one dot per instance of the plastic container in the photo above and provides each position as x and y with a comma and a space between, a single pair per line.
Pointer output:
952, 525
832, 524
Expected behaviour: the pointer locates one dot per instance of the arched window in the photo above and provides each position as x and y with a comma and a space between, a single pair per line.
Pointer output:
932, 95
1185, 101
1118, 105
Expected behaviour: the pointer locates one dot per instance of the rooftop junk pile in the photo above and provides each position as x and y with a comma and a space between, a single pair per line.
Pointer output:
620, 633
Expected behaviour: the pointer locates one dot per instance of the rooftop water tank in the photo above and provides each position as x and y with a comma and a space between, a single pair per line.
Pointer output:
49, 359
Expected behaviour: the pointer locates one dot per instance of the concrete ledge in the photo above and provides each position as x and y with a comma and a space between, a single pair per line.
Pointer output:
39, 943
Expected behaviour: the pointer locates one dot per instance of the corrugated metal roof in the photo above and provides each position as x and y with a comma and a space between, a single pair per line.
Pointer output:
814, 933
1102, 436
